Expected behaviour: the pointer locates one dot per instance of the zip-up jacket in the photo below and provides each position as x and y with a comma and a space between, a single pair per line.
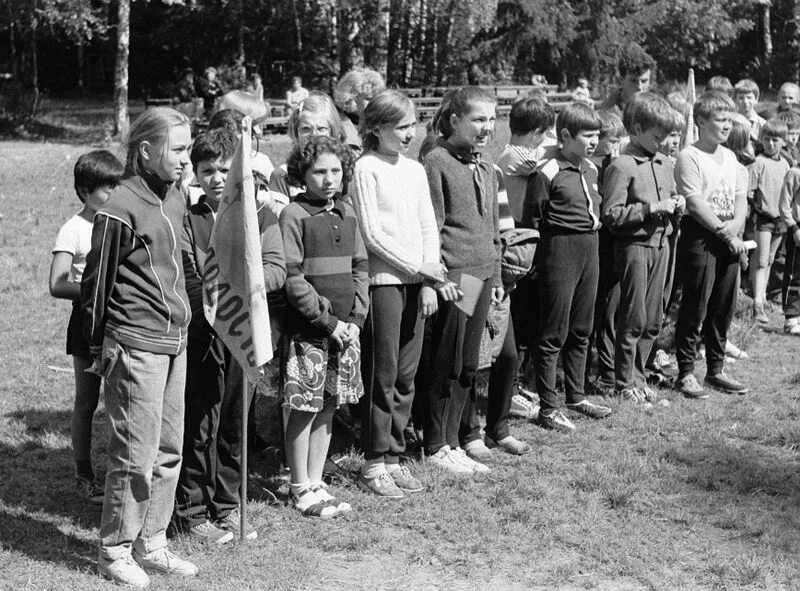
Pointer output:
133, 285
633, 183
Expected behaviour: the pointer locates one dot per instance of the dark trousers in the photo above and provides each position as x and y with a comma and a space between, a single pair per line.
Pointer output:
391, 347
208, 487
605, 311
642, 272
568, 274
710, 284
455, 348
791, 279
525, 313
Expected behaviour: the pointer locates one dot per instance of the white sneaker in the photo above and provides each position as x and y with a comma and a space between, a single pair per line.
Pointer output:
123, 570
164, 561
474, 465
448, 461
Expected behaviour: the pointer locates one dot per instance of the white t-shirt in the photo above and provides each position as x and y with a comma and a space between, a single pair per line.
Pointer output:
75, 237
698, 174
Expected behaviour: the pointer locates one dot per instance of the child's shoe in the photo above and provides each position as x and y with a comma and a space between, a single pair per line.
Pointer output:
232, 524
589, 409
734, 352
123, 570
477, 450
90, 489
759, 316
792, 326
382, 485
164, 561
555, 421
310, 504
403, 478
690, 387
210, 533
447, 461
727, 384
630, 395
322, 490
477, 467
521, 407
510, 444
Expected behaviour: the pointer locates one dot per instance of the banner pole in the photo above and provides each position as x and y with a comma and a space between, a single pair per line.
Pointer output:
243, 484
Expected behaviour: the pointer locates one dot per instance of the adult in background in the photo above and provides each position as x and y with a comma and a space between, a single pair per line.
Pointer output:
296, 94
209, 89
636, 68
185, 91
351, 95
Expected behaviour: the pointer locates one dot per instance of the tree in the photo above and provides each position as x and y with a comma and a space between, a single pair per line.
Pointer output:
121, 120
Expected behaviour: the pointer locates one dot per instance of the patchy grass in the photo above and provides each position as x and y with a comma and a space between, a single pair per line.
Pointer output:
699, 495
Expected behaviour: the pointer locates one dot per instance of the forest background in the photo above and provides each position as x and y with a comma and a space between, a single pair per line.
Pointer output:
72, 46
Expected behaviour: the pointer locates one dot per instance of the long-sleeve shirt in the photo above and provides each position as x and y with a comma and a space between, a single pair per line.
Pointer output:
133, 283
464, 196
562, 197
195, 238
393, 206
789, 202
632, 184
327, 277
766, 180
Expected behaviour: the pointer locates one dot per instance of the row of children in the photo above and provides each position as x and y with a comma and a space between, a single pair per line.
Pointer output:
414, 241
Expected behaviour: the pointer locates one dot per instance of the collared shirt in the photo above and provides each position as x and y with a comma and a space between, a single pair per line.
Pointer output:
633, 183
562, 197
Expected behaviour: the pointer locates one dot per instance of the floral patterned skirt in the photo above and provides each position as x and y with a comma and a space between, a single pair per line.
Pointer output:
315, 370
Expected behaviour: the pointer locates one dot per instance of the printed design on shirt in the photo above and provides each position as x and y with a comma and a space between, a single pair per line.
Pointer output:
722, 200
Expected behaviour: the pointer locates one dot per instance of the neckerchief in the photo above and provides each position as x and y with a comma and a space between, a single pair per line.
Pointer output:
480, 170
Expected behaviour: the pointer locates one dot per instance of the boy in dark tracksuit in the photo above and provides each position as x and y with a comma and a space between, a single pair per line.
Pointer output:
639, 200
207, 497
562, 202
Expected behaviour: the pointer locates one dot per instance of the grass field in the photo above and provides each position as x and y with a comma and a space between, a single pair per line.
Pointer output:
698, 495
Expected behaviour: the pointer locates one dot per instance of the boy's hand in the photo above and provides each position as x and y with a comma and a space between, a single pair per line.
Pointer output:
340, 334
428, 302
737, 245
680, 204
667, 207
449, 292
498, 293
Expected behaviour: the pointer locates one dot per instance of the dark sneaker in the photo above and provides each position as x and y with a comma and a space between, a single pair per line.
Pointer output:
208, 532
478, 451
556, 421
405, 481
590, 409
726, 383
690, 387
382, 485
510, 444
90, 489
231, 524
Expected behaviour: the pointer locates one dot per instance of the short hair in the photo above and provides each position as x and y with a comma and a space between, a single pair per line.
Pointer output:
537, 93
95, 169
678, 121
627, 112
677, 100
790, 86
635, 60
791, 118
577, 117
229, 119
244, 102
774, 127
357, 82
739, 139
306, 154
152, 126
648, 112
745, 86
215, 143
612, 125
316, 102
711, 102
530, 114
388, 107
459, 101
720, 83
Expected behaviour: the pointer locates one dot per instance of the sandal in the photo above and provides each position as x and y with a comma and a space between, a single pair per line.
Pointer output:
317, 509
322, 491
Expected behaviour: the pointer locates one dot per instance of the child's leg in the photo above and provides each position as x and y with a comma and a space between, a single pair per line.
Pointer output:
721, 308
305, 454
501, 388
297, 444
633, 266
654, 304
606, 307
87, 395
319, 441
760, 269
791, 279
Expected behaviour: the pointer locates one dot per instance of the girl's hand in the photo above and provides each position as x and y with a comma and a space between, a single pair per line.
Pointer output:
340, 335
428, 302
352, 332
449, 292
498, 293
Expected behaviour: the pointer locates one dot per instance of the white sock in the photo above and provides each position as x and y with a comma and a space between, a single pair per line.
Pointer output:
373, 468
392, 466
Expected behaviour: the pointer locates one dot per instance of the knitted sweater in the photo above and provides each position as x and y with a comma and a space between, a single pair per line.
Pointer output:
467, 220
393, 206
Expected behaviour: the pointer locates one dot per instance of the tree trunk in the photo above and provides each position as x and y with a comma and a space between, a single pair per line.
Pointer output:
121, 121
81, 69
34, 69
298, 32
240, 35
767, 36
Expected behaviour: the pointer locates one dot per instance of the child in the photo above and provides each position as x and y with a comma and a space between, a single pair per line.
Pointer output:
393, 205
463, 189
790, 213
746, 95
791, 152
672, 141
327, 288
715, 187
720, 84
788, 97
96, 175
136, 315
639, 200
207, 498
766, 179
562, 202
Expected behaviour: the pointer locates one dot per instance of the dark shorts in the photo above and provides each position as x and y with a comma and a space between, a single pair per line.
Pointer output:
768, 224
77, 344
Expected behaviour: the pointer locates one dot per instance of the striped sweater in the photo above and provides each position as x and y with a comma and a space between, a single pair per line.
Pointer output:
326, 266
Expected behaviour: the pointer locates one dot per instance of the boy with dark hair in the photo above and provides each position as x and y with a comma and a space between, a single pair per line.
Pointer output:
96, 174
562, 202
715, 187
766, 179
207, 497
746, 93
639, 201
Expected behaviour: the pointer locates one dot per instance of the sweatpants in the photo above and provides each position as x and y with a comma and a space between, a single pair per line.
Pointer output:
791, 278
455, 348
710, 274
391, 347
605, 311
568, 274
642, 273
